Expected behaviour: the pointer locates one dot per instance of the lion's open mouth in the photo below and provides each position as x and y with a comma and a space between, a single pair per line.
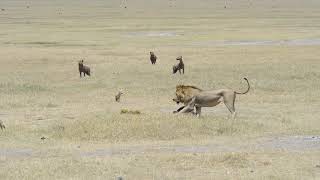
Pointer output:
177, 101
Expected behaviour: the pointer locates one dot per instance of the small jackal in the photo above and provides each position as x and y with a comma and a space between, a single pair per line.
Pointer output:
2, 126
117, 97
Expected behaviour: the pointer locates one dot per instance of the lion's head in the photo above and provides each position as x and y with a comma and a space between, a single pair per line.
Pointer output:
184, 93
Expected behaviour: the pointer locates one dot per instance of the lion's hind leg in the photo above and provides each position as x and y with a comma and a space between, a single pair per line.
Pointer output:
229, 102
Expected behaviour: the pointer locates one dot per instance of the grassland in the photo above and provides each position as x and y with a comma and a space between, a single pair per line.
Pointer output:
42, 95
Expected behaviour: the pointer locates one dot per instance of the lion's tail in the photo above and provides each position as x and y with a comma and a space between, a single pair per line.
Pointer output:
246, 90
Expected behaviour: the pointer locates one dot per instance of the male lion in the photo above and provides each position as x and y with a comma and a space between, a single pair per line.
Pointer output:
192, 97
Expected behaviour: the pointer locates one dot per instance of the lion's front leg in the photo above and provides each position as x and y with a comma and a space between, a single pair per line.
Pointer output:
178, 110
189, 107
198, 111
186, 109
190, 110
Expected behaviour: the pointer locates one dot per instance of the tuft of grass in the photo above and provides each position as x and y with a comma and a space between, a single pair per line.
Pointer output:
235, 160
126, 111
51, 105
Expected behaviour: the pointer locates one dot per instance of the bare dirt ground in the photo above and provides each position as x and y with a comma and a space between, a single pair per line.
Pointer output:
287, 144
60, 126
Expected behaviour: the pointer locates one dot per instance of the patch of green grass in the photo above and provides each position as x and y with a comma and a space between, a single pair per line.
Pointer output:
126, 111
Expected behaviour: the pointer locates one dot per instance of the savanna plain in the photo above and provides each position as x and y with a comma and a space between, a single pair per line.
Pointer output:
61, 126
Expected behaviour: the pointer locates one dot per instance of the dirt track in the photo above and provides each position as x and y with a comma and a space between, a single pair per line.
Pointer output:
288, 144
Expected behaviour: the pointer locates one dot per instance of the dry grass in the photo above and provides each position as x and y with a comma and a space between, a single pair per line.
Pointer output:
126, 128
42, 94
166, 166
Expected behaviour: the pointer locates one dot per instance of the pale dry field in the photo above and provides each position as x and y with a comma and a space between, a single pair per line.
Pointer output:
275, 44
